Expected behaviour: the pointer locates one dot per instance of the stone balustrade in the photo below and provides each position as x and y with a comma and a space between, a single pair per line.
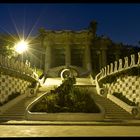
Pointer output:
120, 65
15, 77
17, 66
122, 76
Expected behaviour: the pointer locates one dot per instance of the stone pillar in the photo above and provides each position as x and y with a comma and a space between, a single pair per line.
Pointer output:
126, 62
67, 56
100, 59
132, 60
103, 57
48, 57
120, 64
138, 63
88, 58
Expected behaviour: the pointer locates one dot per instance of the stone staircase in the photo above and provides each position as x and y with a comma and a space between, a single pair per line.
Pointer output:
113, 111
16, 112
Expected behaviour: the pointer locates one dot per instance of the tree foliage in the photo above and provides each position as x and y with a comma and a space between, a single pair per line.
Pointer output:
7, 45
67, 98
41, 35
93, 27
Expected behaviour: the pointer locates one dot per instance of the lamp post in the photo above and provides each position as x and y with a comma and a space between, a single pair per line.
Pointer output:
21, 47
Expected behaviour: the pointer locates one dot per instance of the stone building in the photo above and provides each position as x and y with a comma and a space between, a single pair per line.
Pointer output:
83, 51
73, 49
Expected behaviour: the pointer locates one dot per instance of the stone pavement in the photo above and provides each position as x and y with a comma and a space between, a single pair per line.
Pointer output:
109, 122
25, 128
61, 130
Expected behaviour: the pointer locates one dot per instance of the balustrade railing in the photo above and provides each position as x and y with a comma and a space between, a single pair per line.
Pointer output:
17, 66
121, 77
121, 65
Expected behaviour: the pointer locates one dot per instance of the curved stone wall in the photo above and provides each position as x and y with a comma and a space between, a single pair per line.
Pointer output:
122, 77
15, 76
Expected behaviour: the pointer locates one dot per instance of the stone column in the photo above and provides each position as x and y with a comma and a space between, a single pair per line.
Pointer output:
99, 59
103, 57
103, 48
88, 58
68, 56
48, 57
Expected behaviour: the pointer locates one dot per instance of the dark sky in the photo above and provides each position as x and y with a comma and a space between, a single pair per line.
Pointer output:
120, 22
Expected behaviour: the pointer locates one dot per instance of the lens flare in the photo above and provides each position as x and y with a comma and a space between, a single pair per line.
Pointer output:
21, 46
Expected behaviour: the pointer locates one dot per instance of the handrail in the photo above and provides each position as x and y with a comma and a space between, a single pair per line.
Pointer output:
120, 65
14, 65
113, 68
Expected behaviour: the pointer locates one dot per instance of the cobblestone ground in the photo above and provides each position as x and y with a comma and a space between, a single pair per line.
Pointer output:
67, 131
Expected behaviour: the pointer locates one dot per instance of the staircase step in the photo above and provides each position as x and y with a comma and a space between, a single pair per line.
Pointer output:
16, 110
6, 113
113, 111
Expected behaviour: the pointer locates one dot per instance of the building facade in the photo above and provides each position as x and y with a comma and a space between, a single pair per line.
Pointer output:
74, 49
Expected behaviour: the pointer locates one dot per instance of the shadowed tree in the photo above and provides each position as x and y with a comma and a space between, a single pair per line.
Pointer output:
93, 27
41, 36
7, 45
139, 42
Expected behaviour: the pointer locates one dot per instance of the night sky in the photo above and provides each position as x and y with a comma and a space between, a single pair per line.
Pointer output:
120, 22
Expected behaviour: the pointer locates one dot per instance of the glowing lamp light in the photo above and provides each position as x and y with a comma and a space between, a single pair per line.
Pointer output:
21, 47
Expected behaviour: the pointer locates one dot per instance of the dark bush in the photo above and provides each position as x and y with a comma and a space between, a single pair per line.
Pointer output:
123, 98
67, 98
11, 97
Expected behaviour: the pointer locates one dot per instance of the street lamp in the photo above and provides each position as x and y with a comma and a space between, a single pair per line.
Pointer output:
21, 47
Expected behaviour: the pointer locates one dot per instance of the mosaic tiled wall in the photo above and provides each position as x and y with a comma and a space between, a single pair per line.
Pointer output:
9, 85
129, 86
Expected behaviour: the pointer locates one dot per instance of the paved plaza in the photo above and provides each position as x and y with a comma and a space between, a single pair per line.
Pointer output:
67, 131
25, 128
